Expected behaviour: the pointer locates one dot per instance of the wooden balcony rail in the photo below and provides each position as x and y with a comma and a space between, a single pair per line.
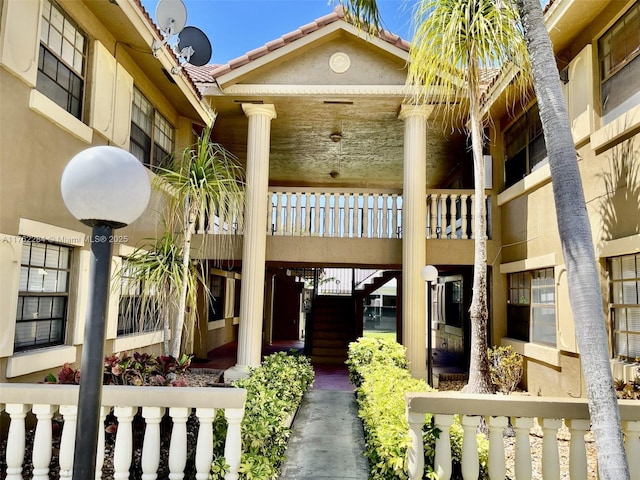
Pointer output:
43, 401
523, 412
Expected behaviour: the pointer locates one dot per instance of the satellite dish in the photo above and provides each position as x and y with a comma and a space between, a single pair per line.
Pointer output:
171, 16
194, 46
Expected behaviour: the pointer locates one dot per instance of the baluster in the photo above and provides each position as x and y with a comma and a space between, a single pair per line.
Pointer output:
433, 233
67, 441
204, 445
415, 455
100, 451
16, 439
307, 214
364, 230
225, 213
497, 467
281, 217
394, 215
443, 216
464, 215
550, 455
577, 449
632, 447
522, 456
151, 445
123, 449
469, 461
317, 227
472, 211
348, 225
233, 442
336, 217
454, 217
178, 443
376, 213
201, 218
288, 218
384, 231
239, 221
270, 208
297, 229
41, 456
442, 461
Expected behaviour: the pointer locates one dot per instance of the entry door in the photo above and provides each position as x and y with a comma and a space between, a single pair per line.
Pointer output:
286, 308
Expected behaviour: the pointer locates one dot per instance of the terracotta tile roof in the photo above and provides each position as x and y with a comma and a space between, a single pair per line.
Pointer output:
286, 39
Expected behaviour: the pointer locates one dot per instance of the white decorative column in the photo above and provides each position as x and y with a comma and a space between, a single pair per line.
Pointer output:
414, 226
255, 239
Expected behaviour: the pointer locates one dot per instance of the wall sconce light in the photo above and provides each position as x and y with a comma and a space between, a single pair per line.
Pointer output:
335, 137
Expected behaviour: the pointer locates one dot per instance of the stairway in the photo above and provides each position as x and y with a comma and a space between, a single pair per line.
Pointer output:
332, 329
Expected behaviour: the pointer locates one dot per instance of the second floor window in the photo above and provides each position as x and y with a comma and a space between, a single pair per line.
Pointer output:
151, 134
624, 274
43, 295
531, 309
525, 148
62, 58
618, 51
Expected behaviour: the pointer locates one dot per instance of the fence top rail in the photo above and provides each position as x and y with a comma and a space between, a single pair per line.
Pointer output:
126, 395
451, 403
335, 190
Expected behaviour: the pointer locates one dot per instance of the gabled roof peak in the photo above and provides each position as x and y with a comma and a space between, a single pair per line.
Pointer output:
286, 39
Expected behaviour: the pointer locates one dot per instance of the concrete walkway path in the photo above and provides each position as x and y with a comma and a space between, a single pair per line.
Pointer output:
327, 440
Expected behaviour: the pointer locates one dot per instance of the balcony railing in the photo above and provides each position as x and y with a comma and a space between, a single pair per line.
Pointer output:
43, 401
545, 413
337, 213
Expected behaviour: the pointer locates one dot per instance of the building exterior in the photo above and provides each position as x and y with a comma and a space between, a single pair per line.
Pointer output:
341, 174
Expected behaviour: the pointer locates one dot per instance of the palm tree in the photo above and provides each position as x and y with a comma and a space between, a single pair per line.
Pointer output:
577, 247
204, 178
454, 41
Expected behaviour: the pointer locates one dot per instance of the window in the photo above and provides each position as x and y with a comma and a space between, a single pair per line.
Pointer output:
618, 51
525, 148
43, 295
531, 309
151, 133
62, 58
216, 301
137, 310
624, 273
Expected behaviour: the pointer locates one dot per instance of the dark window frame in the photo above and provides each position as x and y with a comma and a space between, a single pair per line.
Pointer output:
624, 305
27, 294
136, 314
62, 64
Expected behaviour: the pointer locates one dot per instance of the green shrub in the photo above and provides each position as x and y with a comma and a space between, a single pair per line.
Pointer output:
274, 392
383, 381
369, 350
506, 368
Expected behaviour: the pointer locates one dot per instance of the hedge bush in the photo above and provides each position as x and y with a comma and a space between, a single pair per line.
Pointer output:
274, 392
379, 369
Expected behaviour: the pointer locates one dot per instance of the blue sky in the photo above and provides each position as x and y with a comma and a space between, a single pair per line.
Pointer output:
235, 27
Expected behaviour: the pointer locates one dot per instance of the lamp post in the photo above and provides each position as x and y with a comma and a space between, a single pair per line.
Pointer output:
429, 274
105, 188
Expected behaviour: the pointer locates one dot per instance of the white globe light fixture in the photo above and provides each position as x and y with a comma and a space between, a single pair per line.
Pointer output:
106, 188
429, 274
105, 185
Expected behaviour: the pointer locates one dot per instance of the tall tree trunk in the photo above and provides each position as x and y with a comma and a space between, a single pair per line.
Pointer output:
577, 247
479, 376
176, 340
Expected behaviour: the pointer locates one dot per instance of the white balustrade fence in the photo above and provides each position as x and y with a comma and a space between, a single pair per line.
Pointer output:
43, 401
524, 412
350, 214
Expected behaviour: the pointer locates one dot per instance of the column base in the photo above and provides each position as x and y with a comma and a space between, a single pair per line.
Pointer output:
236, 373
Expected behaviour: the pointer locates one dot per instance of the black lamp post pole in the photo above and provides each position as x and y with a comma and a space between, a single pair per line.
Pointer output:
92, 364
429, 340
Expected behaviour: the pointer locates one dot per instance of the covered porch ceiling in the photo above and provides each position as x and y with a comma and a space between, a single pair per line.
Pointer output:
338, 141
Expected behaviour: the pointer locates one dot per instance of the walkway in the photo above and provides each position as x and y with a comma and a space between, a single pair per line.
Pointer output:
327, 441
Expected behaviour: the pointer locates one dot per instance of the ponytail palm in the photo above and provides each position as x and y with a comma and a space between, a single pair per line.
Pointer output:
203, 178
